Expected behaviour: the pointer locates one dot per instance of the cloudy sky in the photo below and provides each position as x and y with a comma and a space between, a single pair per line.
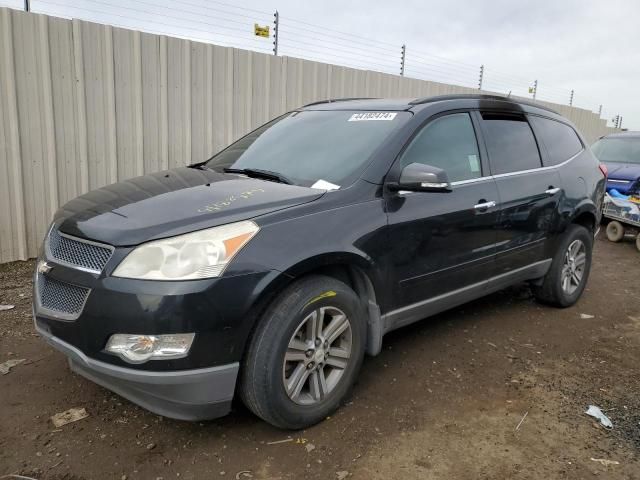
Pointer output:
591, 47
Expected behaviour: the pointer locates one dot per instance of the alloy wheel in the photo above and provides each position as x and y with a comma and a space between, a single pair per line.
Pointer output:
573, 267
317, 355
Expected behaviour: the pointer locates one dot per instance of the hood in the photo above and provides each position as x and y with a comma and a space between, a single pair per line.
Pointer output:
172, 202
623, 171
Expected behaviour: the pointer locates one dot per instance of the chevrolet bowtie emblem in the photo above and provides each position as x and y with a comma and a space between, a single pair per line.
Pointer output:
44, 267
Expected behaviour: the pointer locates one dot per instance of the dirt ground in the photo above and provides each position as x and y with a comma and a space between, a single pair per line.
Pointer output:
443, 401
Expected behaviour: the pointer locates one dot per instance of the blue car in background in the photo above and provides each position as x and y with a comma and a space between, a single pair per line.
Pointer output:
620, 152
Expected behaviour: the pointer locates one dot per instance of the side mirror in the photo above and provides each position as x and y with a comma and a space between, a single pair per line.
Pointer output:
417, 177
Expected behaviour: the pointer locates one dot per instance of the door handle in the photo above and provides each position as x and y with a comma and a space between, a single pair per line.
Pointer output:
552, 191
481, 207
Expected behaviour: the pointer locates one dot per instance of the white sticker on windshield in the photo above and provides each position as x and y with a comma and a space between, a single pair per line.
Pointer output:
370, 116
324, 185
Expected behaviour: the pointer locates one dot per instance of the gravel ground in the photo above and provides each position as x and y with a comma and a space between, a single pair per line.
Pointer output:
494, 389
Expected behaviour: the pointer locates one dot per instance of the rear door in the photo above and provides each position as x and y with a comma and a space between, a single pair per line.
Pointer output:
443, 241
528, 192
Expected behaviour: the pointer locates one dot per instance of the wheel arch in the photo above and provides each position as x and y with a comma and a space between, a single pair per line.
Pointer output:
587, 219
360, 274
356, 271
586, 215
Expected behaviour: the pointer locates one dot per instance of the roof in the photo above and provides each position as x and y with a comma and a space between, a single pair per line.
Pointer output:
481, 96
622, 135
410, 103
362, 104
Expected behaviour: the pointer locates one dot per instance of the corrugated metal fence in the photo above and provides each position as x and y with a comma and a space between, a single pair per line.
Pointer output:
83, 105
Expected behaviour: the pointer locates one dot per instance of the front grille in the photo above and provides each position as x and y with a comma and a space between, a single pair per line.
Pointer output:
78, 253
61, 297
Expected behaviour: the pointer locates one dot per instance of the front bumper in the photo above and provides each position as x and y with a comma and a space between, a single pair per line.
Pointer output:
198, 394
220, 311
77, 311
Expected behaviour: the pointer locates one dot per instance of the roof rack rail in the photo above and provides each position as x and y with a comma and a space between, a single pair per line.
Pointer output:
479, 96
333, 100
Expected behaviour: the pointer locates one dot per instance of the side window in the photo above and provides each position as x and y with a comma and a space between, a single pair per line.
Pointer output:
510, 142
561, 140
448, 143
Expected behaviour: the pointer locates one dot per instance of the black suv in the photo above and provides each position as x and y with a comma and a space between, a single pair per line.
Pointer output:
272, 268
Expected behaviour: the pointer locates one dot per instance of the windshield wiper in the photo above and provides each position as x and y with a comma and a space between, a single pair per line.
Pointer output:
199, 166
259, 173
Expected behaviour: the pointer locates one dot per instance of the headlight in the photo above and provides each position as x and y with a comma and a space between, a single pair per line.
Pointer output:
201, 254
140, 348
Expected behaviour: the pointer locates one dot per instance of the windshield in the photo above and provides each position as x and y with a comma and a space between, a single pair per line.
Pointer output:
621, 150
321, 149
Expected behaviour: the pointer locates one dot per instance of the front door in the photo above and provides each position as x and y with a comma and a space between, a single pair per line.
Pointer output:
443, 241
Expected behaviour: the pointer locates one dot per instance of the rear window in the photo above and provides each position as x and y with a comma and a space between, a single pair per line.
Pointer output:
510, 142
560, 140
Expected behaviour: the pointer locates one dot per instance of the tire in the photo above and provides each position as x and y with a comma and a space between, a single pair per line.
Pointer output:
615, 231
554, 288
287, 328
638, 242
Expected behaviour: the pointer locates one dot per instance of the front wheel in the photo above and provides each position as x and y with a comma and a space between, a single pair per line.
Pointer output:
563, 285
305, 354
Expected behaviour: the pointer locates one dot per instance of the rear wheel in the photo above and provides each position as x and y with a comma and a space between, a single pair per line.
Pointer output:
305, 354
615, 231
563, 285
638, 242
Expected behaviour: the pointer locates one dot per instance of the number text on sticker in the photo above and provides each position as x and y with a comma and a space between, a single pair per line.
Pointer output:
370, 116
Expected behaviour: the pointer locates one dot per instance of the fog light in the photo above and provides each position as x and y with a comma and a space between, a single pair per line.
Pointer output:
141, 348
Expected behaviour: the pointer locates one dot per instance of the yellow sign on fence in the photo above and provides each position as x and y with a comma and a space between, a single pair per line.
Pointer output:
261, 31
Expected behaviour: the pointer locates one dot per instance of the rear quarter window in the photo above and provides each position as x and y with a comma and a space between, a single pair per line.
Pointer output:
560, 140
